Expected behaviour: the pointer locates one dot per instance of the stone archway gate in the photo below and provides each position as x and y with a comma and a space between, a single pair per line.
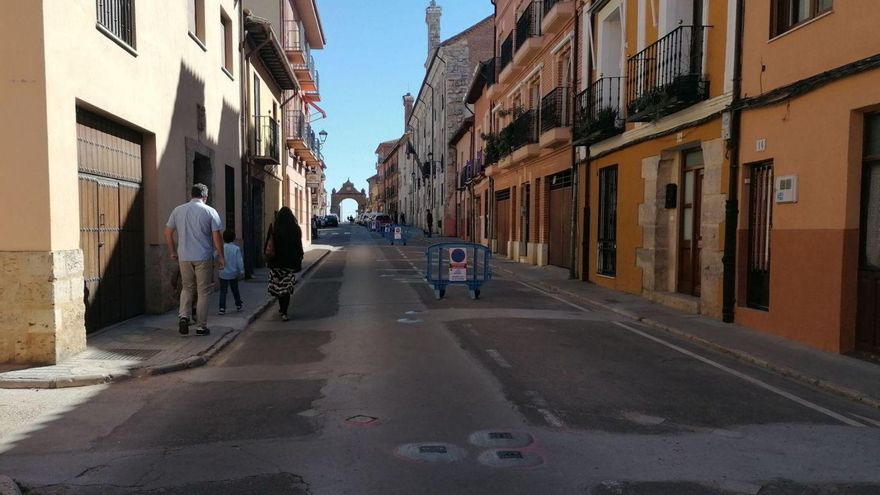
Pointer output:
347, 191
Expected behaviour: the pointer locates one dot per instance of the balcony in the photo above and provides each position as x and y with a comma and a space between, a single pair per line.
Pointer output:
528, 35
667, 76
296, 129
598, 111
307, 75
506, 59
522, 137
295, 44
301, 138
556, 14
267, 150
556, 118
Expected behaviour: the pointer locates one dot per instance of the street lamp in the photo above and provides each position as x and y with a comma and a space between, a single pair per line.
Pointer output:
323, 136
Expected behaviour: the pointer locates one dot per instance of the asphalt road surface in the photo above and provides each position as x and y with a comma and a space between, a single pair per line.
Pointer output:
376, 387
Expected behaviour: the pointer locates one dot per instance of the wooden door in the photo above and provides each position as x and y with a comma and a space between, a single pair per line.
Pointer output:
559, 228
502, 220
111, 220
690, 238
868, 320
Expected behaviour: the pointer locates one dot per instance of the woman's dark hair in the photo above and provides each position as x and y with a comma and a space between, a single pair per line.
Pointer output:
286, 229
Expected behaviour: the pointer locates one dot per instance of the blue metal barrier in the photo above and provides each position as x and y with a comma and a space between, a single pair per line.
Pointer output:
398, 236
458, 263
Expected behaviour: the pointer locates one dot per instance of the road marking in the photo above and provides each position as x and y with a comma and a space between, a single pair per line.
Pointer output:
754, 381
867, 420
498, 358
810, 405
551, 419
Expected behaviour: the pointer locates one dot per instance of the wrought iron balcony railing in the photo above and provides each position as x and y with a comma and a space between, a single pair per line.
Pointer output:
266, 144
524, 130
667, 76
506, 52
528, 25
598, 111
555, 111
548, 5
295, 37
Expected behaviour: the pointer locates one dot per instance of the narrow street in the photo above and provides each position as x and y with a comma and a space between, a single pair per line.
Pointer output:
376, 387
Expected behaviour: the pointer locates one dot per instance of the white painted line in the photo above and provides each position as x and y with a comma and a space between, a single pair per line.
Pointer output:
867, 420
551, 419
754, 381
498, 358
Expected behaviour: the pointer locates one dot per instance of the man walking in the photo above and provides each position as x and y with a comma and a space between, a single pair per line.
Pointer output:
198, 229
430, 220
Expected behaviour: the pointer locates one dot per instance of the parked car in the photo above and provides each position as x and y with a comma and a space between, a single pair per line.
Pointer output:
382, 221
331, 220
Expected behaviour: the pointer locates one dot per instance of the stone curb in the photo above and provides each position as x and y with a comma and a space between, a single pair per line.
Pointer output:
746, 357
8, 486
188, 363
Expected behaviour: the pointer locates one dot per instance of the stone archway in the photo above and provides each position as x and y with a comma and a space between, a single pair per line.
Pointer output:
347, 192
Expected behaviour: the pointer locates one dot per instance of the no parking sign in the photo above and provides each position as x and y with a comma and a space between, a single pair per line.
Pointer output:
457, 265
398, 233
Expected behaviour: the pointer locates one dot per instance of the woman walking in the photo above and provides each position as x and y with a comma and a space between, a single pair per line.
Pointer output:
284, 254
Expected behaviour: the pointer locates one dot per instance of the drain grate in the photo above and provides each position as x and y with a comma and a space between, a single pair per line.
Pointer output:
433, 452
500, 439
509, 454
433, 449
122, 354
496, 435
510, 458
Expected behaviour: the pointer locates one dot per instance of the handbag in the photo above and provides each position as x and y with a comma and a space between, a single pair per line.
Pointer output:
269, 249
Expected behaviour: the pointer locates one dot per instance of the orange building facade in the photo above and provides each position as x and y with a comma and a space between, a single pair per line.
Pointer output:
808, 238
657, 79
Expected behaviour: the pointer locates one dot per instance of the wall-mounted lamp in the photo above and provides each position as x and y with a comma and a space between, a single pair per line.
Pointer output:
323, 136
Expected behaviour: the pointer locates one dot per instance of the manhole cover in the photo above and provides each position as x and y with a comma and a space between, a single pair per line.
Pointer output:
510, 458
433, 452
362, 420
500, 439
643, 419
121, 354
409, 321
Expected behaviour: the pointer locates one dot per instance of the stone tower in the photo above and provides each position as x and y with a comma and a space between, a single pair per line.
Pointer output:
432, 19
408, 102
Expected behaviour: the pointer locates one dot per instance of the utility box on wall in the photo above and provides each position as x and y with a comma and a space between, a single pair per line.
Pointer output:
787, 189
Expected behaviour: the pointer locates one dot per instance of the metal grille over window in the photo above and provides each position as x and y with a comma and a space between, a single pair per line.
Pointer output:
117, 17
607, 258
760, 225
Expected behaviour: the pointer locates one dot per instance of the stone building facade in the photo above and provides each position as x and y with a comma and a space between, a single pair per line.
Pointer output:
438, 111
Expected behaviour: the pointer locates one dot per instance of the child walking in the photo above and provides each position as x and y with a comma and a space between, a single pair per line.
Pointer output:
229, 274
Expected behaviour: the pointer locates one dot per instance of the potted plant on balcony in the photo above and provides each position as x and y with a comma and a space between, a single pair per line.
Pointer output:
606, 122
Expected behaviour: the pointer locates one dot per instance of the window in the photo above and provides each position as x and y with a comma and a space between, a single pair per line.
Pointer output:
788, 14
607, 258
760, 230
116, 18
870, 242
226, 43
195, 10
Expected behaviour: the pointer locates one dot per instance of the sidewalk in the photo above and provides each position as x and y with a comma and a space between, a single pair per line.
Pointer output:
151, 345
842, 375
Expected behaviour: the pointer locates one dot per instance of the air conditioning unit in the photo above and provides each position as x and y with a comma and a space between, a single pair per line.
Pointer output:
787, 189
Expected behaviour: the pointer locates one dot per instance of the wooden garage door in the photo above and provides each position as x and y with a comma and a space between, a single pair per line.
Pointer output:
111, 220
560, 220
502, 220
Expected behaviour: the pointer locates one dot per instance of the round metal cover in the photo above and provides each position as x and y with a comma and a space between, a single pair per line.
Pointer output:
433, 452
501, 439
507, 458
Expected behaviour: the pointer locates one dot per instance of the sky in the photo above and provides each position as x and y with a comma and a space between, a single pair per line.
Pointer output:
375, 53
